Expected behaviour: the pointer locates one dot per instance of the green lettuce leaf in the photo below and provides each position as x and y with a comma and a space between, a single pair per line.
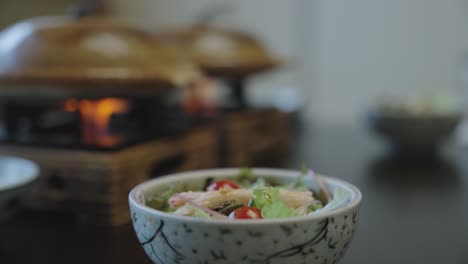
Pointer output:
260, 183
269, 201
197, 212
315, 206
159, 201
245, 177
297, 184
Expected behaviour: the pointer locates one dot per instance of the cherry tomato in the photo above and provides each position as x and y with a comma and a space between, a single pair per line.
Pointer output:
246, 213
222, 184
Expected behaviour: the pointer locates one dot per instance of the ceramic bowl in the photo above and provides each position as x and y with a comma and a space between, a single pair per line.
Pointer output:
414, 133
321, 237
16, 178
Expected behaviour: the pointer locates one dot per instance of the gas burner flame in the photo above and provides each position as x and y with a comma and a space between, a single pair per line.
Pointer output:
95, 119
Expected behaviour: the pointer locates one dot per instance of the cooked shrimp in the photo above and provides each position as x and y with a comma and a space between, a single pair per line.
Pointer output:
212, 199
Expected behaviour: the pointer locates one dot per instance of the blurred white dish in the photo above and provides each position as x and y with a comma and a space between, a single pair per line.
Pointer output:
16, 176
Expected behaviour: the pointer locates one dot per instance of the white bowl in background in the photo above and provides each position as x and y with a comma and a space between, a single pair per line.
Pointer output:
16, 178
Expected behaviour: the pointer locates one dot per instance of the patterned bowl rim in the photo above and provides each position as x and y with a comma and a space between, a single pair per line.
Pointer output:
351, 204
22, 180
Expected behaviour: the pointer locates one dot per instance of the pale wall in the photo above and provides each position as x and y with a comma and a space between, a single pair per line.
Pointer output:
366, 47
12, 11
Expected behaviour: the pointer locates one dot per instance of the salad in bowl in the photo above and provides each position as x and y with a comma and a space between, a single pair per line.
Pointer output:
239, 215
244, 196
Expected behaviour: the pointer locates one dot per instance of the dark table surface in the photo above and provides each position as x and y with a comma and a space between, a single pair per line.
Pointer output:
412, 212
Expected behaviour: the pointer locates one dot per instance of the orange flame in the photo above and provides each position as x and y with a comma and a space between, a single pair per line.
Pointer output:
95, 118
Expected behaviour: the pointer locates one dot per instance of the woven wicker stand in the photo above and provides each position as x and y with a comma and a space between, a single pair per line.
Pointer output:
94, 185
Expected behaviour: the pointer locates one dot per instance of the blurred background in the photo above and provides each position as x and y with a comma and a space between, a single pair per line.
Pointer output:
104, 94
342, 56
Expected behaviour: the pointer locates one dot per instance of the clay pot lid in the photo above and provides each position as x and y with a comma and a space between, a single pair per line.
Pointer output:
223, 53
92, 51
